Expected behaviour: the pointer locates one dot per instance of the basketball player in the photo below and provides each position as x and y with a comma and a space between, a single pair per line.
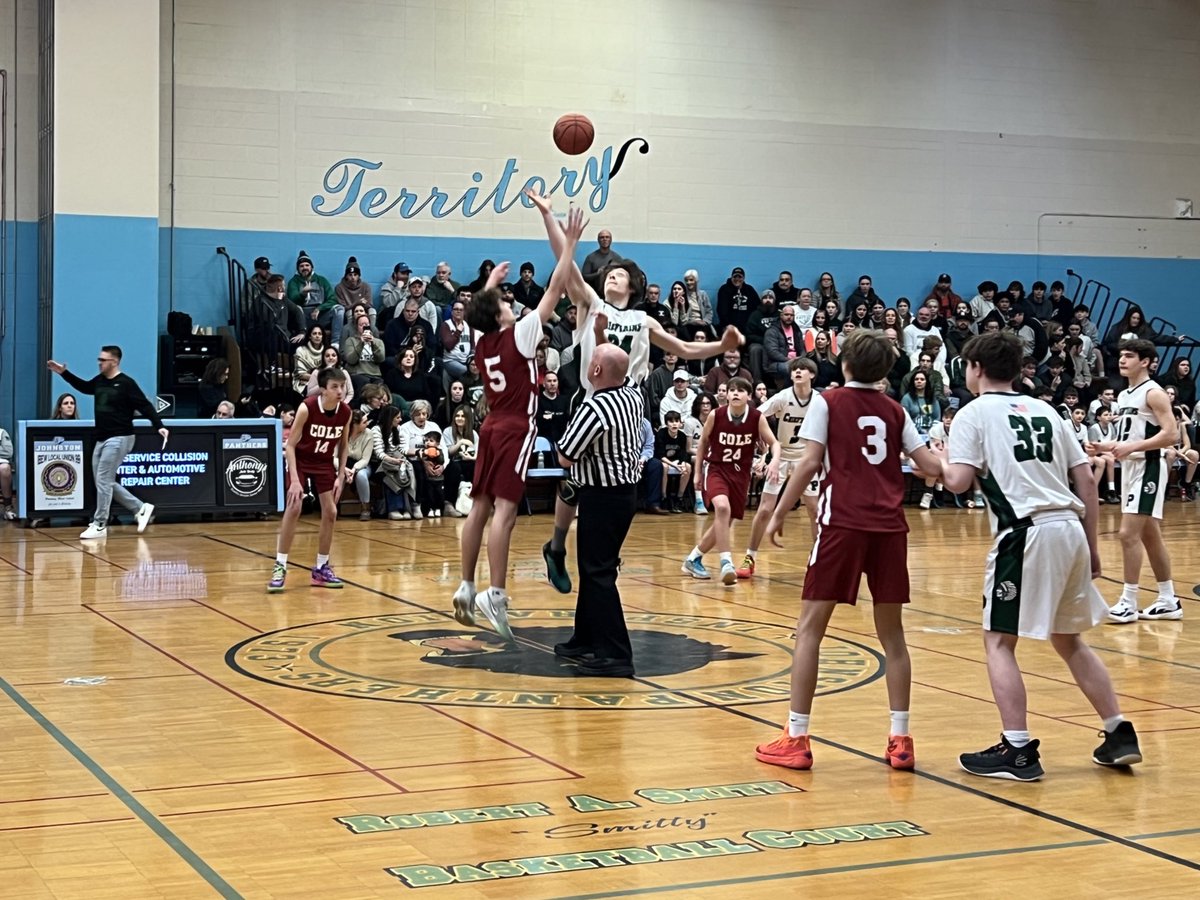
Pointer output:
506, 358
320, 432
725, 455
631, 329
789, 407
1038, 582
855, 435
1145, 428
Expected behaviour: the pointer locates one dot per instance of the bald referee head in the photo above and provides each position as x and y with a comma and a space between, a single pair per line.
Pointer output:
610, 364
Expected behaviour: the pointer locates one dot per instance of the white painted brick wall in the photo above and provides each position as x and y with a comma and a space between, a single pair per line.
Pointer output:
928, 124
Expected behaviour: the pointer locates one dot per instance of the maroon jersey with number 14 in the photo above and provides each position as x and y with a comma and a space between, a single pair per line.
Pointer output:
322, 433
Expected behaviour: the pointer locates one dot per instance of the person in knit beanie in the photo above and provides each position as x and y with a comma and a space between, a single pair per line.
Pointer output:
352, 289
315, 295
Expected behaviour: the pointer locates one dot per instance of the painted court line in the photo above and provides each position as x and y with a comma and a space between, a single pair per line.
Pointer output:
215, 881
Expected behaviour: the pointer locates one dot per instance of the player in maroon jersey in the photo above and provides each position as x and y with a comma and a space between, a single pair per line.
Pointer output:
319, 434
726, 455
505, 356
855, 434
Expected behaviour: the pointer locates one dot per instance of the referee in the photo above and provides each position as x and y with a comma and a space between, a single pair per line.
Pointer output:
602, 446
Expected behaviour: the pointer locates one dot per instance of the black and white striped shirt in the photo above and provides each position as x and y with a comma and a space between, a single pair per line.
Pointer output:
603, 440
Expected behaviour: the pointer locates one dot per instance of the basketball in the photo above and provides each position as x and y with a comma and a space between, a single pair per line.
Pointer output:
573, 134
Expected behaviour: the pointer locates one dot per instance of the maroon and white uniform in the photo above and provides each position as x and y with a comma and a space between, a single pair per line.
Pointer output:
318, 444
861, 528
728, 458
506, 363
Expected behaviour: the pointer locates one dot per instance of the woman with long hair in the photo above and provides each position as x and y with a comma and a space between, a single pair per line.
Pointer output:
826, 291
829, 369
904, 311
359, 452
66, 407
1179, 376
456, 396
405, 379
677, 303
308, 358
400, 488
460, 441
485, 269
833, 314
212, 387
891, 319
331, 358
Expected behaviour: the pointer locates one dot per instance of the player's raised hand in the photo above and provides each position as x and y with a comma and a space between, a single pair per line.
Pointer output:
56, 367
731, 339
599, 323
498, 275
540, 201
575, 224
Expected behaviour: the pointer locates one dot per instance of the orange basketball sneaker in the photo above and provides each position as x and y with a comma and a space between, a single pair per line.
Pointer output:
792, 752
900, 752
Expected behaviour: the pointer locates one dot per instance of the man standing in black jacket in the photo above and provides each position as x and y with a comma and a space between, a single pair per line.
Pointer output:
736, 300
118, 401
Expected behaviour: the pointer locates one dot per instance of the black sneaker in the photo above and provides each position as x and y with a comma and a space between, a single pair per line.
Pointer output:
567, 650
556, 569
1005, 761
1120, 747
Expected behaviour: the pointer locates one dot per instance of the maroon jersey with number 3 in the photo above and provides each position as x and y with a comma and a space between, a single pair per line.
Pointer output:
323, 432
864, 433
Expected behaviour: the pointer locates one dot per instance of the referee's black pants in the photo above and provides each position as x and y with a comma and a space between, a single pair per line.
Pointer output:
605, 514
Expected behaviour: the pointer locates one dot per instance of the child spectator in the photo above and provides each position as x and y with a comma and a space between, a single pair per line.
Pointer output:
434, 461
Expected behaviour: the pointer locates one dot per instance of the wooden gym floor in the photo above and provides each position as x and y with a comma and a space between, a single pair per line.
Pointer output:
360, 744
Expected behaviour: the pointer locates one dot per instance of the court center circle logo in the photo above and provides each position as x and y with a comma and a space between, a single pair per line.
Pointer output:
683, 661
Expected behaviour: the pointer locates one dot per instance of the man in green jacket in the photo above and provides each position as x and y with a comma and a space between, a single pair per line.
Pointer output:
315, 295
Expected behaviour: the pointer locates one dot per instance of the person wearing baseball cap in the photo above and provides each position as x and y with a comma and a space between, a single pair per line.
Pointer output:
736, 300
681, 396
945, 296
256, 287
393, 293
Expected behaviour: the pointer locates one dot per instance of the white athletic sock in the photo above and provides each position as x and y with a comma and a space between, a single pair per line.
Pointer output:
752, 553
938, 487
1129, 594
1016, 738
1112, 488
497, 593
1110, 724
281, 558
797, 723
695, 554
727, 557
899, 721
322, 559
1166, 590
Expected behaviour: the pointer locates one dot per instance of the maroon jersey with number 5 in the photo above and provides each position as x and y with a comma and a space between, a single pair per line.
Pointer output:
864, 433
323, 432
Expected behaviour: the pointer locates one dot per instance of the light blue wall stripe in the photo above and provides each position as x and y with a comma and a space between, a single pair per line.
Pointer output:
106, 292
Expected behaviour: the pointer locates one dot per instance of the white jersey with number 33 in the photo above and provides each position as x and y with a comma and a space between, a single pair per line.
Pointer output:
1023, 450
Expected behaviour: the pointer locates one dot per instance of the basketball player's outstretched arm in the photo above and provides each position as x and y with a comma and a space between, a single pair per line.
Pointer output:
565, 270
731, 339
572, 283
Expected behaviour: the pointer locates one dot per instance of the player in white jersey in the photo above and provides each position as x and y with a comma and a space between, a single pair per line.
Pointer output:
630, 329
1145, 428
1039, 575
789, 406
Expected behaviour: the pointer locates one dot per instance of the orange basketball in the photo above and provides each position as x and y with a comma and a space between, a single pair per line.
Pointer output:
573, 134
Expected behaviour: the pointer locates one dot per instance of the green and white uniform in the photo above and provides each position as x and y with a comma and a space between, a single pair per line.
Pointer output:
1144, 475
1038, 580
790, 411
